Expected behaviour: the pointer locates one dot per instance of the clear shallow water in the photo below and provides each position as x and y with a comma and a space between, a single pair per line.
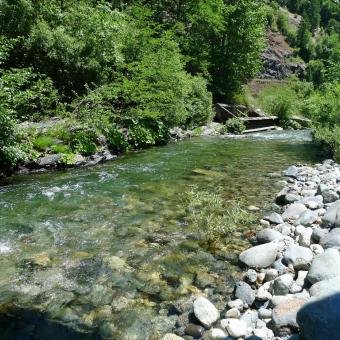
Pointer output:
105, 251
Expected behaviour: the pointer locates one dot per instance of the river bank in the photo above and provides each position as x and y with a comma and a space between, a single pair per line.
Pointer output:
47, 158
292, 284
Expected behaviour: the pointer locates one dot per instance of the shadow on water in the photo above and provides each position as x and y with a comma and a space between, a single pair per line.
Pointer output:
25, 324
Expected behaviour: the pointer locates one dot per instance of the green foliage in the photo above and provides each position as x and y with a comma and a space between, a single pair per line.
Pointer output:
329, 139
60, 148
30, 95
83, 140
212, 216
323, 106
285, 28
280, 101
234, 125
11, 151
41, 143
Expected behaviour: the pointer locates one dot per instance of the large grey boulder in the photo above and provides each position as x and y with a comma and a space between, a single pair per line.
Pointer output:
331, 240
274, 218
205, 311
294, 211
245, 293
268, 235
324, 266
320, 319
49, 161
325, 288
332, 215
260, 256
299, 257
292, 171
307, 218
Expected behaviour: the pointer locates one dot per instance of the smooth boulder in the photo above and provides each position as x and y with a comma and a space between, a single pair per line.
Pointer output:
268, 235
332, 215
331, 240
294, 211
299, 257
260, 256
324, 266
245, 293
205, 311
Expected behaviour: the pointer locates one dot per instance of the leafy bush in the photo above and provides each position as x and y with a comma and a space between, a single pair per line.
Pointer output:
11, 151
280, 101
30, 95
83, 141
234, 125
329, 139
212, 216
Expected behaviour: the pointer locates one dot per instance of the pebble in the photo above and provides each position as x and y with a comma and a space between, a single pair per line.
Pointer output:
233, 313
205, 311
236, 328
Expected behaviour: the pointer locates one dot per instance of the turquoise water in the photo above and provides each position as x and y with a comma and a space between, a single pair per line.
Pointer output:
103, 252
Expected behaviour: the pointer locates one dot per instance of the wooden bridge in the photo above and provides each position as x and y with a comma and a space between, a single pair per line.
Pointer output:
255, 120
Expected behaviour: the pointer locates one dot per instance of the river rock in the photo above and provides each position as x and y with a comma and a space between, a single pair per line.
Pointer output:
330, 196
299, 257
238, 304
320, 319
316, 249
233, 313
325, 288
324, 266
291, 198
332, 215
282, 284
307, 218
274, 218
313, 202
260, 256
268, 235
284, 314
236, 328
292, 171
294, 211
195, 331
171, 336
251, 275
301, 277
205, 311
331, 240
265, 313
49, 161
318, 233
215, 333
305, 237
245, 293
250, 317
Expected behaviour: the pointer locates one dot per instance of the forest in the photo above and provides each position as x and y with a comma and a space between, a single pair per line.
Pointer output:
132, 70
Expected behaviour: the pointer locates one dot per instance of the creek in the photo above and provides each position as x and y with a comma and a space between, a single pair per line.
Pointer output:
105, 251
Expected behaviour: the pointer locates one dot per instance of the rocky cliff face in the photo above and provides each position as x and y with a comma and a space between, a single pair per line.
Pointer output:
276, 63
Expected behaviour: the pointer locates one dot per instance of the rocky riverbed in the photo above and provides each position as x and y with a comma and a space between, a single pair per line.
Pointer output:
291, 283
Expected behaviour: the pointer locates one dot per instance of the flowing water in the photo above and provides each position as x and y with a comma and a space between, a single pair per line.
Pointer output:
104, 251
